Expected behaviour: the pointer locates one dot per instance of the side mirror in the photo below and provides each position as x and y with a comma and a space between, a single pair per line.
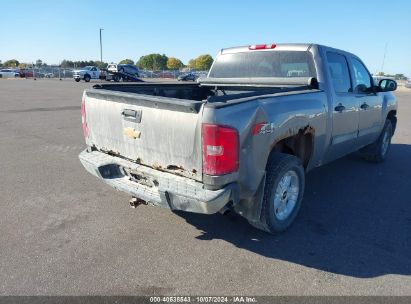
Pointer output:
386, 85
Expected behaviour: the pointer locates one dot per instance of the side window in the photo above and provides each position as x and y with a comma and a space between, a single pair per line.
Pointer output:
340, 75
361, 77
94, 69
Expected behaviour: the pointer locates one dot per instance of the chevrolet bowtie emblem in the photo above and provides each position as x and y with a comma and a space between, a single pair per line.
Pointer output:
131, 133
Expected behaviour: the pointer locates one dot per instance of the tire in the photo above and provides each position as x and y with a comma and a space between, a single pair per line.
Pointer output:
87, 78
116, 78
77, 79
377, 152
283, 192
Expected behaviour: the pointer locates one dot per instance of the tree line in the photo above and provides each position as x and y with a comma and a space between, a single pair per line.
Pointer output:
148, 62
82, 63
162, 62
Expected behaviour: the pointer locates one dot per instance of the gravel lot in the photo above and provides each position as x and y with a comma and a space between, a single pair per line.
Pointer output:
63, 232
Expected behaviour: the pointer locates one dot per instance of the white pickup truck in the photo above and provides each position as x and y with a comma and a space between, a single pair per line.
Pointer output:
87, 73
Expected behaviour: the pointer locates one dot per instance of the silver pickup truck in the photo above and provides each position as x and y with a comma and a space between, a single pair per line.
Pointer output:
242, 138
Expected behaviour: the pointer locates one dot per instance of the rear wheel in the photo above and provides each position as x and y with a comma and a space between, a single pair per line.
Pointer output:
87, 78
283, 193
377, 152
77, 79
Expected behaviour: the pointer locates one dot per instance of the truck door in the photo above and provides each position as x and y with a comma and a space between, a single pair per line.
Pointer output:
370, 102
345, 116
94, 73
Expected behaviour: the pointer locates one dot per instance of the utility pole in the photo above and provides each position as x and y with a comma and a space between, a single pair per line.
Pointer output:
101, 47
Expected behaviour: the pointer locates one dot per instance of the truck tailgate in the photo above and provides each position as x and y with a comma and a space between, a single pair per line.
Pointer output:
159, 132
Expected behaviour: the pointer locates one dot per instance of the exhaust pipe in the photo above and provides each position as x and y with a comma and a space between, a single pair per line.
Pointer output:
135, 202
224, 210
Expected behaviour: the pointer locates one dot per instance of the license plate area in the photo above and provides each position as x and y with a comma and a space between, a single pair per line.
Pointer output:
140, 178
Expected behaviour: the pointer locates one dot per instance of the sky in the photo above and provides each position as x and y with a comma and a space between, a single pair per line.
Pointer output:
53, 30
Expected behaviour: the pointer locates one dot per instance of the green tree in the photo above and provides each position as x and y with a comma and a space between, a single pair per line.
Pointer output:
174, 63
1, 64
67, 64
39, 62
192, 63
204, 62
12, 63
23, 65
153, 62
399, 76
127, 61
380, 74
100, 65
145, 62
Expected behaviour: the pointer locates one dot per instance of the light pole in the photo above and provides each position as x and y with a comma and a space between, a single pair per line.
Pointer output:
101, 47
383, 58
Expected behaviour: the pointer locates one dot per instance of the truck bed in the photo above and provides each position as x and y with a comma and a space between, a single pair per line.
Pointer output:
159, 125
195, 94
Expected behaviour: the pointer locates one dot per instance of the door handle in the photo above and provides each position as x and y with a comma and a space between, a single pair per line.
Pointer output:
339, 108
364, 106
131, 115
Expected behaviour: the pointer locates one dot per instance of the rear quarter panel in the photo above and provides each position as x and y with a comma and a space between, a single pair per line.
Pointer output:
286, 114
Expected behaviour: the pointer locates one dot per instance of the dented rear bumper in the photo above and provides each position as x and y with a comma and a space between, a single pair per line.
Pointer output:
153, 186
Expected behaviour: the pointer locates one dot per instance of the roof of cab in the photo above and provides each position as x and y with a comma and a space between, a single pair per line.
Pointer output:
284, 47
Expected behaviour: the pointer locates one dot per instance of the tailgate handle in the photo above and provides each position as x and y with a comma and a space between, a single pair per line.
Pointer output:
131, 115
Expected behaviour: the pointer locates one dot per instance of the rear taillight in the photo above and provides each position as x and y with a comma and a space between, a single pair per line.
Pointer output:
220, 149
83, 117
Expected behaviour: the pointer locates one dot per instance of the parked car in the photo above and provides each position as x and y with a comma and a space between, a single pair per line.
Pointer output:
87, 73
9, 73
39, 74
25, 73
166, 74
243, 138
144, 74
408, 83
187, 77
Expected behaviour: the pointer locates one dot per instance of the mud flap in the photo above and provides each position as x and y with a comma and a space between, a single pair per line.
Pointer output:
251, 209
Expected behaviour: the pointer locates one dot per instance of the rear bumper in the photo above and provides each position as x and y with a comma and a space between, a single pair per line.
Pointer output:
153, 186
